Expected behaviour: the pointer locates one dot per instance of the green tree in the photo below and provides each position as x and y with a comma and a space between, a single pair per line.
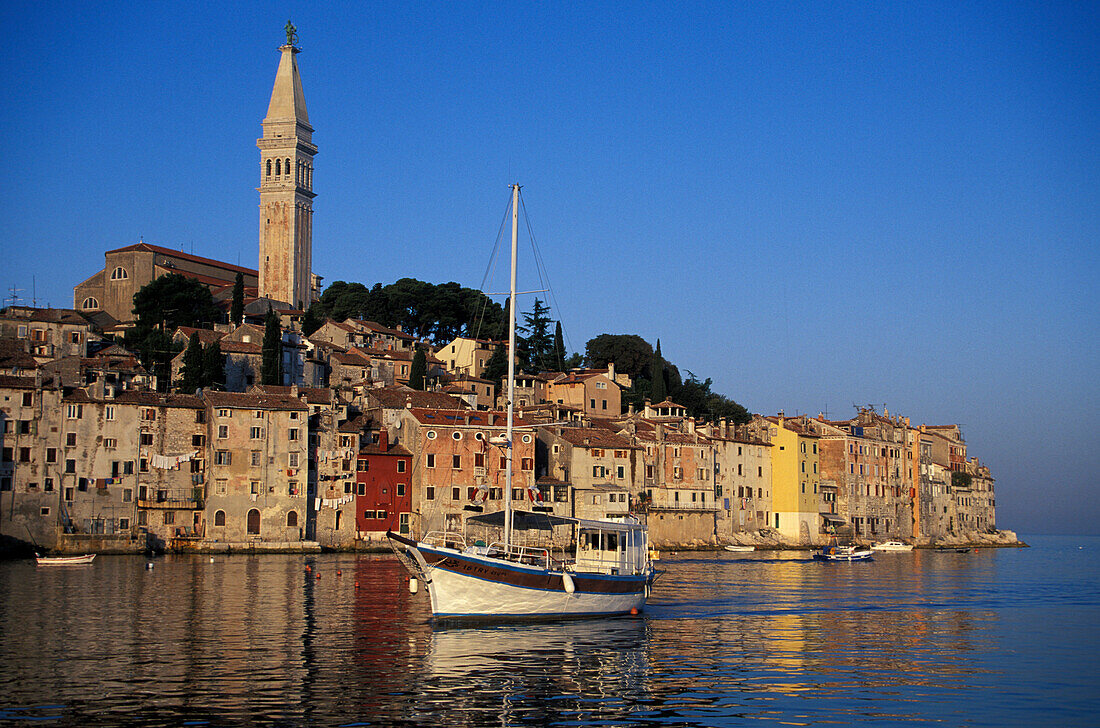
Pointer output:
539, 340
213, 366
496, 366
175, 300
271, 366
630, 353
236, 311
558, 352
419, 369
192, 372
658, 376
313, 320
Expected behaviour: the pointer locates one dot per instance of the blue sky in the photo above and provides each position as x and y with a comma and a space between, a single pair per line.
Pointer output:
815, 205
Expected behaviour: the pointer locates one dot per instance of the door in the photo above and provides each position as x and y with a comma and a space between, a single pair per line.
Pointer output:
254, 522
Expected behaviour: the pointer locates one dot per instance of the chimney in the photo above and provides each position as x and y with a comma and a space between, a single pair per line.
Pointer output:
630, 409
722, 427
781, 418
648, 408
383, 440
408, 401
690, 425
611, 370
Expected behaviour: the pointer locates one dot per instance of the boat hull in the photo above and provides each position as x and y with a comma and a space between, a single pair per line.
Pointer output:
892, 546
856, 556
64, 560
471, 586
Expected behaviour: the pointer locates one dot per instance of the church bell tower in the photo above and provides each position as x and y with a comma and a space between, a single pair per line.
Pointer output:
286, 187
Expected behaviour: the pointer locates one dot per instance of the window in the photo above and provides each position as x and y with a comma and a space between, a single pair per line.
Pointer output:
256, 433
456, 436
70, 466
429, 493
400, 489
620, 472
292, 460
119, 274
223, 457
198, 440
221, 486
400, 466
292, 519
294, 415
527, 464
517, 494
292, 433
456, 462
89, 304
146, 439
225, 413
219, 518
257, 458
255, 487
456, 493
169, 518
149, 414
47, 485
109, 412
74, 411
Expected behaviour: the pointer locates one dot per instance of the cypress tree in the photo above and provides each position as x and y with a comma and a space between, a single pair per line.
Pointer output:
192, 365
213, 366
270, 372
236, 312
419, 369
658, 376
559, 347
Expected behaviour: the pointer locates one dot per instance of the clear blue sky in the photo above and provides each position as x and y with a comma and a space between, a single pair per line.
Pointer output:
815, 205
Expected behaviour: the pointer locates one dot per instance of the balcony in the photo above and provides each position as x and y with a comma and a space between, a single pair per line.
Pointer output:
683, 506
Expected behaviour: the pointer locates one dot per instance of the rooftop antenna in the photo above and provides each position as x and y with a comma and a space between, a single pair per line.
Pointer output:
34, 295
14, 297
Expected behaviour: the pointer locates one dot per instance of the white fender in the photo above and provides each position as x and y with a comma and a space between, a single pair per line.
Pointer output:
567, 581
413, 585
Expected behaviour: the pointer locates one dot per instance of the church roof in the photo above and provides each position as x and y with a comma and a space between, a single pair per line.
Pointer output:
288, 102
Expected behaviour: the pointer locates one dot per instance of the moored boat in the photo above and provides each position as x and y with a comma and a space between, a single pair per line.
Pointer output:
892, 546
737, 549
64, 560
843, 553
597, 568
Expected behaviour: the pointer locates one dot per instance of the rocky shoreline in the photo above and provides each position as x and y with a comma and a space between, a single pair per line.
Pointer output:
768, 539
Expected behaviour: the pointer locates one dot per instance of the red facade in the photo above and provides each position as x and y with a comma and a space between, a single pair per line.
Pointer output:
383, 487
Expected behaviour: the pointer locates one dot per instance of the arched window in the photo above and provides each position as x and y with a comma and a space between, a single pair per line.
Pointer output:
269, 168
253, 522
90, 304
119, 274
219, 518
278, 167
288, 166
292, 519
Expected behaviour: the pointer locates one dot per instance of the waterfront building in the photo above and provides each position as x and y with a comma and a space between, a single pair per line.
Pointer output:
456, 470
383, 500
258, 472
48, 334
795, 475
590, 472
743, 479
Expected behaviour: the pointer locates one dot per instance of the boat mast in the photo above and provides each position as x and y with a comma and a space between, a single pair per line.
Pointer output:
511, 367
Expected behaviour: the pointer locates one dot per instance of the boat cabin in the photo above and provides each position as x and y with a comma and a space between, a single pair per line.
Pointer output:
610, 547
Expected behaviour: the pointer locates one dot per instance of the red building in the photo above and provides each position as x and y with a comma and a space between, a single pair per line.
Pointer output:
383, 478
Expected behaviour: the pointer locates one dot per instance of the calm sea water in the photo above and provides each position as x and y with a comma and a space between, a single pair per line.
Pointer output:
993, 638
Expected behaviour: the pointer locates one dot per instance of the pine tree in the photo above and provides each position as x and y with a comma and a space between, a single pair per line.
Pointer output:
539, 341
419, 369
270, 371
236, 311
191, 371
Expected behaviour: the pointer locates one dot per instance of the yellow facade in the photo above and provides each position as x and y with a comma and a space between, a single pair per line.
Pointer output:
795, 478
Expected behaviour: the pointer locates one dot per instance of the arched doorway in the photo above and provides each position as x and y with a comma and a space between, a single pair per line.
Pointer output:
254, 522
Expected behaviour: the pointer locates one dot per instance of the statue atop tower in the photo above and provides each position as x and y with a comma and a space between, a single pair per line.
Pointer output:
286, 186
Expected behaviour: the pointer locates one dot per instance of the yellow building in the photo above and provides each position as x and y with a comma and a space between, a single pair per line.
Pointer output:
795, 476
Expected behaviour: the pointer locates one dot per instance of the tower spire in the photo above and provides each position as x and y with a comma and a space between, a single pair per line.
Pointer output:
286, 186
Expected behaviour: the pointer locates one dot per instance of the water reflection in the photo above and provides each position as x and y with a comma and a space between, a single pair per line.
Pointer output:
264, 641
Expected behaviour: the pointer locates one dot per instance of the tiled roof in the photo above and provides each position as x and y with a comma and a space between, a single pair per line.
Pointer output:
240, 347
169, 253
313, 395
463, 418
206, 336
10, 382
395, 397
373, 449
254, 401
380, 329
592, 437
45, 315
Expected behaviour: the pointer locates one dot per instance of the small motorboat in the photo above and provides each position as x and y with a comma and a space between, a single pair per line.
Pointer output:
739, 549
843, 553
952, 549
64, 560
892, 546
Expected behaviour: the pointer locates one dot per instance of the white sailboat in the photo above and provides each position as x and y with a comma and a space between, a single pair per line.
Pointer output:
606, 571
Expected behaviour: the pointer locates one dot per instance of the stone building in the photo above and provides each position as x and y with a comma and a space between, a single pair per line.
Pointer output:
456, 469
48, 334
598, 466
286, 190
743, 480
595, 392
795, 475
259, 471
